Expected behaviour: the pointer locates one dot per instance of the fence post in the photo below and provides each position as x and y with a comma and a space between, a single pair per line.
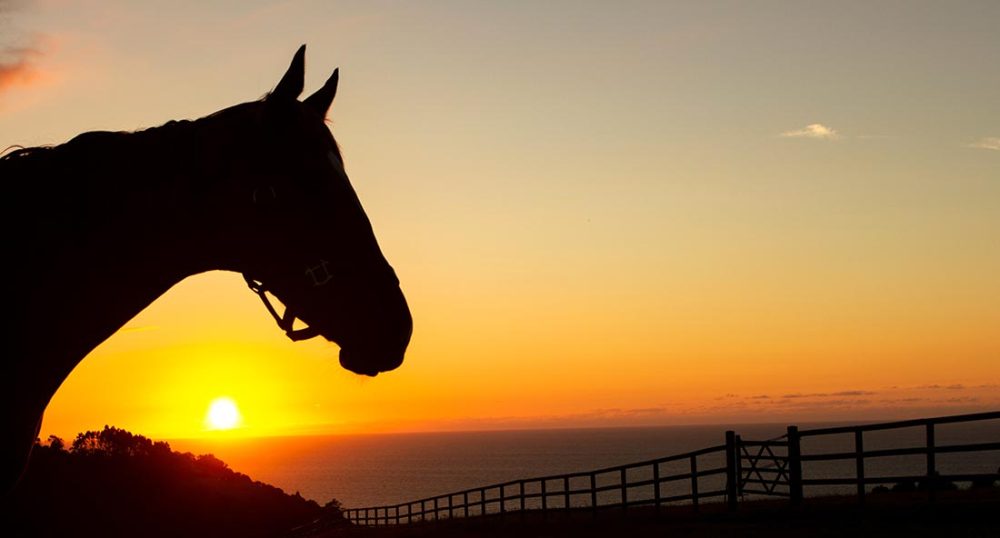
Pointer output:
482, 501
656, 486
520, 489
465, 502
545, 500
624, 481
694, 482
503, 502
738, 464
593, 493
732, 477
794, 466
932, 479
566, 489
859, 463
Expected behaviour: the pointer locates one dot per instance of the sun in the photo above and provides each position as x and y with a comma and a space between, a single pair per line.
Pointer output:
223, 414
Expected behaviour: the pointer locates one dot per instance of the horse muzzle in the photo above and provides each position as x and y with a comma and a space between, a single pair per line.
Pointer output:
370, 363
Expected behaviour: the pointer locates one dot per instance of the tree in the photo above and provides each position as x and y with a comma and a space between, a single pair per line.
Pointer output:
56, 443
113, 441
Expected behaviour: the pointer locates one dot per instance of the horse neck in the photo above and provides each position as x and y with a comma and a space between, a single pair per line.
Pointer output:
125, 222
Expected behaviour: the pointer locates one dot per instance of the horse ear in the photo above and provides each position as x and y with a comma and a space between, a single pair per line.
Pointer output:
323, 98
292, 83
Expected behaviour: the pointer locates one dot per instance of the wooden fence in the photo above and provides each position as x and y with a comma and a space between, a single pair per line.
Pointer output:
726, 472
930, 479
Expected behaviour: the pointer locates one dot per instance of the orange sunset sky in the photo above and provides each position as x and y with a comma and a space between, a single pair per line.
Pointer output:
602, 213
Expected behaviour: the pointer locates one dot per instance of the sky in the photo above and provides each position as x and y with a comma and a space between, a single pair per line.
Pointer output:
602, 214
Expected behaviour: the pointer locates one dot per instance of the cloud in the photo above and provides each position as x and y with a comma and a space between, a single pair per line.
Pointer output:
7, 5
829, 394
17, 59
989, 142
853, 393
17, 66
963, 399
813, 130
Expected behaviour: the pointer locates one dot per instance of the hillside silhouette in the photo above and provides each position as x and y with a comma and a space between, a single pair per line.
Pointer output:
114, 483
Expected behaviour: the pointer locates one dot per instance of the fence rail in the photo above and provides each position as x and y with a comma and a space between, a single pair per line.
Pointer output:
931, 479
771, 467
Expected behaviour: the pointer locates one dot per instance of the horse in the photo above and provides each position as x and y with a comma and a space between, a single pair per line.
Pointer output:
97, 228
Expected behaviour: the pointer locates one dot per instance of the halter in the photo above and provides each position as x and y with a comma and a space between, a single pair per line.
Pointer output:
286, 320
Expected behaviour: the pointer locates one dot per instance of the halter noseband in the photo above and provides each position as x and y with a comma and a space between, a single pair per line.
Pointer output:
286, 320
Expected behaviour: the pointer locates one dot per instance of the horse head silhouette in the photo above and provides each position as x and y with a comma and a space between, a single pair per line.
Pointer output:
311, 243
97, 228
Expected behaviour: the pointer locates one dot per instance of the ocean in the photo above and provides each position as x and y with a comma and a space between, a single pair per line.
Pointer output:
368, 470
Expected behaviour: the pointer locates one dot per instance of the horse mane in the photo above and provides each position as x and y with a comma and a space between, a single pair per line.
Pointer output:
89, 180
90, 143
97, 160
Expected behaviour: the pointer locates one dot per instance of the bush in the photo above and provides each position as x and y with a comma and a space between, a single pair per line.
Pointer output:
936, 483
904, 485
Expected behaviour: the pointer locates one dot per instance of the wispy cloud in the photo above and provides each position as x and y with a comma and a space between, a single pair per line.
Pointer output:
813, 130
954, 386
829, 394
989, 142
8, 5
17, 66
18, 55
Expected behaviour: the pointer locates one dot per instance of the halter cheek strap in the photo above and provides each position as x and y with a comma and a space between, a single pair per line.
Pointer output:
286, 320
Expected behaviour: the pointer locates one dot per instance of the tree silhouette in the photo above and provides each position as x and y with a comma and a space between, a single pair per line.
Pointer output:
114, 483
56, 443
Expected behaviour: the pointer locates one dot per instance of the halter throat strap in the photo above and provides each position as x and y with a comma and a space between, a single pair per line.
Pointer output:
286, 320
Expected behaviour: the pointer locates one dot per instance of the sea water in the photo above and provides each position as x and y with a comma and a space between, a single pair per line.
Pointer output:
370, 470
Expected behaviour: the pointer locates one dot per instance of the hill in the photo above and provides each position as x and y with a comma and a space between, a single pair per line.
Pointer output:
114, 483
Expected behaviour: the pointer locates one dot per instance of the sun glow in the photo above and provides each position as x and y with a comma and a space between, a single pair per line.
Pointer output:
223, 414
